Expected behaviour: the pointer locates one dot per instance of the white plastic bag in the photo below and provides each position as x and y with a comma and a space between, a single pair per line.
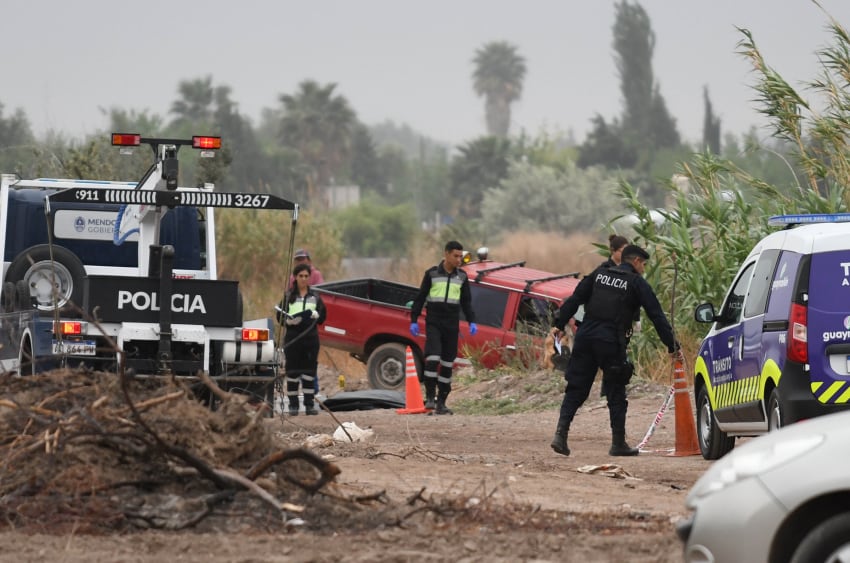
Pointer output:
357, 434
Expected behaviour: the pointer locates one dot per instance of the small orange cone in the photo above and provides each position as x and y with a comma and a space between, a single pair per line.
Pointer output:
686, 430
412, 391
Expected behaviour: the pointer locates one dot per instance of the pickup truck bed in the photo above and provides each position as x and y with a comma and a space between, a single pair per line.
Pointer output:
370, 318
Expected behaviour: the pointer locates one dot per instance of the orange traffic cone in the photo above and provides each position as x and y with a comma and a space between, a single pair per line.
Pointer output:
412, 391
686, 430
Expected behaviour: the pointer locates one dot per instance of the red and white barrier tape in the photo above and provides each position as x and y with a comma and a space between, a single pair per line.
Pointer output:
656, 421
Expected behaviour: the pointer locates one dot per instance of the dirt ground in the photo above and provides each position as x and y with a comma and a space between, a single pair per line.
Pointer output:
450, 488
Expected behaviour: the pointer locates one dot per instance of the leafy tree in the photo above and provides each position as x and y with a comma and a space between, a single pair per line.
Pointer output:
15, 129
498, 75
412, 143
374, 229
543, 198
319, 124
195, 104
548, 149
645, 119
480, 164
365, 166
131, 121
710, 126
16, 142
242, 162
605, 146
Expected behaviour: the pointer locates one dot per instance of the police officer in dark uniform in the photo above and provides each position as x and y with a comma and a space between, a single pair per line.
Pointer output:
610, 296
445, 291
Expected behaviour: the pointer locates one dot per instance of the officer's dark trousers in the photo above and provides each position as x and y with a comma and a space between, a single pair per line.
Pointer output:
302, 362
440, 352
590, 355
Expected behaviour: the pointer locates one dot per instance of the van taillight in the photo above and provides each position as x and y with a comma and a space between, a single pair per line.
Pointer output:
798, 350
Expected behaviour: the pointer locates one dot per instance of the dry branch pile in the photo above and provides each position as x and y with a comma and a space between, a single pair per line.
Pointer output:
87, 450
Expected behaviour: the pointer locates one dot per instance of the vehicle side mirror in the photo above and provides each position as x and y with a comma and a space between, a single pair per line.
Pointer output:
704, 313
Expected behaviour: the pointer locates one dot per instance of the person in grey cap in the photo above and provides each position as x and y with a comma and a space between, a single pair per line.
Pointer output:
302, 256
610, 296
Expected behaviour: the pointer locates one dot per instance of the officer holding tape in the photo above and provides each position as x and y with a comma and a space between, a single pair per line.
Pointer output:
611, 297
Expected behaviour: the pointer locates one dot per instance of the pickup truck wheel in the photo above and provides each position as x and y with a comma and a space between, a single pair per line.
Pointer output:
41, 275
386, 366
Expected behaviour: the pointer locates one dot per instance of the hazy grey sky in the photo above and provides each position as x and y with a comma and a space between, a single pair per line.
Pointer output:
393, 59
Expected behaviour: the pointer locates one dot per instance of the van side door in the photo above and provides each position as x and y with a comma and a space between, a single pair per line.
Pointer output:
720, 349
747, 362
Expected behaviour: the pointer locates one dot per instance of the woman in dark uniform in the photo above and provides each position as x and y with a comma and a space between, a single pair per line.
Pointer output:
301, 312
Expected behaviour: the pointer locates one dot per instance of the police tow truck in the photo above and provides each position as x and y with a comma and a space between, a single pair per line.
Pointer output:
122, 275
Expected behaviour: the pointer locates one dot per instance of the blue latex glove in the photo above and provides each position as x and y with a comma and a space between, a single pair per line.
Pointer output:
473, 328
414, 329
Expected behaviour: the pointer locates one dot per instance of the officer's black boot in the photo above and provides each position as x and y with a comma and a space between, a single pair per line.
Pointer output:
441, 407
293, 406
559, 442
430, 392
619, 447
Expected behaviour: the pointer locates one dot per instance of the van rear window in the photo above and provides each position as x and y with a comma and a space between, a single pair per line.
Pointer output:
782, 286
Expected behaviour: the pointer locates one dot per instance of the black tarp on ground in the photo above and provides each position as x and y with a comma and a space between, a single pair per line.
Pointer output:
365, 400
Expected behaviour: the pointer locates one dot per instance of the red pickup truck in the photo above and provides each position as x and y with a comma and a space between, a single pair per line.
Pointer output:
514, 307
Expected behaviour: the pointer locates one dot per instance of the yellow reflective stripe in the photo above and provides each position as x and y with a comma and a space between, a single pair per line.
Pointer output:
438, 289
830, 391
736, 392
815, 386
300, 306
844, 397
445, 290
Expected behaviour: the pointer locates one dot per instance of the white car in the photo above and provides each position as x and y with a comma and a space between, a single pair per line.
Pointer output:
782, 497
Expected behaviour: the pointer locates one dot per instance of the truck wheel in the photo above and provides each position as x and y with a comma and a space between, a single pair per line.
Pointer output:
66, 273
23, 299
8, 297
386, 366
26, 361
713, 443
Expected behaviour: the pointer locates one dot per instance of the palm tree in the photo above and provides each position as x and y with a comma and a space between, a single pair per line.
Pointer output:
498, 76
319, 125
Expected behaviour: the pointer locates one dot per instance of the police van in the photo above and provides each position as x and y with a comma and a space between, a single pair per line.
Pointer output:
122, 275
778, 350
